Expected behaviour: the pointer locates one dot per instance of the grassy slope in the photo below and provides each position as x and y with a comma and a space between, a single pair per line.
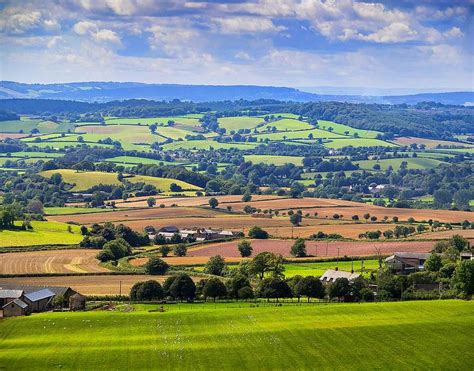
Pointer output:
317, 269
342, 129
43, 233
413, 163
357, 142
240, 122
70, 210
339, 336
207, 144
85, 180
275, 160
286, 124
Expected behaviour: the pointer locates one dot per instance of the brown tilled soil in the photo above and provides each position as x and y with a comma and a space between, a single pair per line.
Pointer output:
52, 261
317, 249
137, 214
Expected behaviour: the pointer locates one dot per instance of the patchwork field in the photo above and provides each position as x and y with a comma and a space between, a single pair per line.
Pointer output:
357, 142
239, 336
53, 261
240, 122
314, 248
346, 130
86, 180
274, 160
429, 143
43, 233
412, 163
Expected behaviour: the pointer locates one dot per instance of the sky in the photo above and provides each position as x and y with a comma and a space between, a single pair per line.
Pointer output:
299, 43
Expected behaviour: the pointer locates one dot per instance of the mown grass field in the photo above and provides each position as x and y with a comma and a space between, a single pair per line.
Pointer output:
286, 124
275, 160
206, 145
43, 233
239, 122
69, 210
400, 335
412, 163
86, 179
318, 269
347, 130
357, 142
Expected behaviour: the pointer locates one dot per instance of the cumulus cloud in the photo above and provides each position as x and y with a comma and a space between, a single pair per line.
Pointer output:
246, 25
86, 28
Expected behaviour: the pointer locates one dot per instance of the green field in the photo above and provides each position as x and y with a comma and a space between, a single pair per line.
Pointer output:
239, 122
346, 130
185, 120
275, 160
399, 335
206, 145
413, 163
43, 233
86, 179
285, 125
318, 269
357, 142
301, 134
70, 210
130, 160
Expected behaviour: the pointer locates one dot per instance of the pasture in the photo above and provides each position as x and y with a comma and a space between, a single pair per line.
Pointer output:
346, 130
85, 180
43, 233
206, 145
241, 336
415, 163
274, 160
357, 142
239, 122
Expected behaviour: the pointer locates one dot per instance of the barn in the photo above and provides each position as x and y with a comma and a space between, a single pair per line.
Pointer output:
8, 295
16, 307
39, 301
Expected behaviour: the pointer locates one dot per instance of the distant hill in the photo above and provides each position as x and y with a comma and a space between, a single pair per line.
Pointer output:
109, 91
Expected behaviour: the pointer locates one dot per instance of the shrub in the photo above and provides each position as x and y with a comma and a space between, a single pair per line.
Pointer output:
148, 290
298, 249
245, 248
180, 250
258, 233
156, 266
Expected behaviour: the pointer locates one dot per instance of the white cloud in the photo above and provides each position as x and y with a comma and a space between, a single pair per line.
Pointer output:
243, 56
84, 28
245, 25
393, 33
16, 21
107, 36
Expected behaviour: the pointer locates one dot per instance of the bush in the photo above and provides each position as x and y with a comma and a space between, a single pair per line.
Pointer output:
245, 293
180, 250
245, 248
366, 294
114, 250
156, 266
258, 233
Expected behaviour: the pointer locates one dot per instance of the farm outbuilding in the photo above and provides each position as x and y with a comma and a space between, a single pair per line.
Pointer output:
77, 302
7, 296
39, 301
16, 307
333, 274
406, 262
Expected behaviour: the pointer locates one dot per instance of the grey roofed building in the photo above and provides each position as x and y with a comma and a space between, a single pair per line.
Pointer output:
57, 290
39, 295
333, 274
10, 293
20, 303
407, 261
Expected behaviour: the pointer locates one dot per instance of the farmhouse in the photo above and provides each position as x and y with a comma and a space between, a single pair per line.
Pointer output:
200, 234
333, 274
405, 262
16, 300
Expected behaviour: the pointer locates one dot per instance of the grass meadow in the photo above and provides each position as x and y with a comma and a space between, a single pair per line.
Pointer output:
275, 160
397, 335
43, 233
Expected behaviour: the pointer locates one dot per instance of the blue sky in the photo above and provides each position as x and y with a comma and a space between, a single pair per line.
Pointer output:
386, 44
